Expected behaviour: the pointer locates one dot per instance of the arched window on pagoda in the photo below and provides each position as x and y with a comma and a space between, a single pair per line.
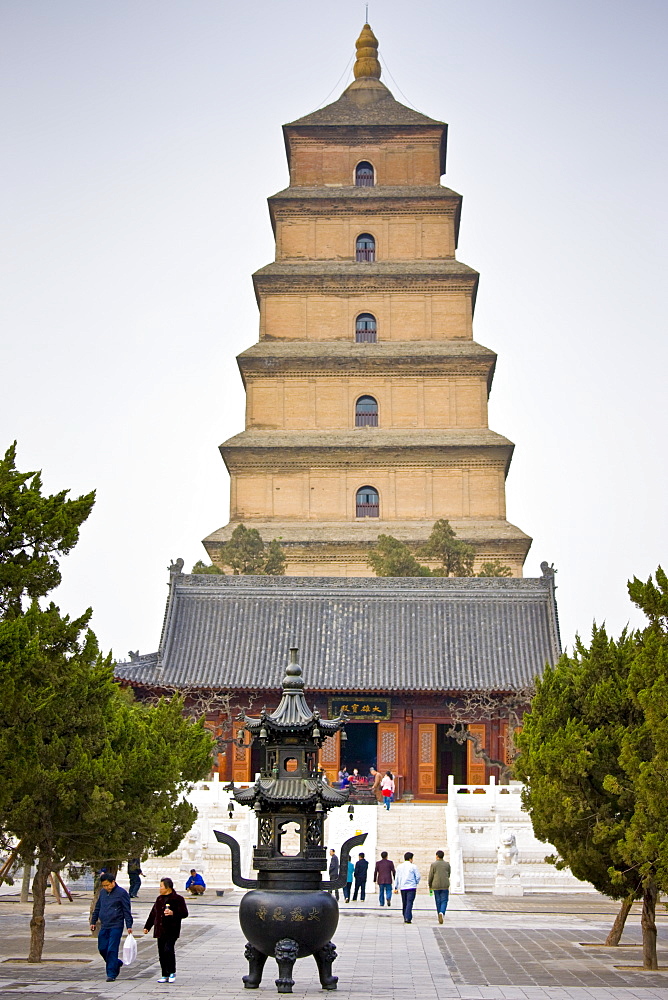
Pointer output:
365, 247
367, 503
364, 174
366, 412
366, 329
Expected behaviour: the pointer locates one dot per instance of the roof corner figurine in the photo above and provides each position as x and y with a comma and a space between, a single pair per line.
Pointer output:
287, 914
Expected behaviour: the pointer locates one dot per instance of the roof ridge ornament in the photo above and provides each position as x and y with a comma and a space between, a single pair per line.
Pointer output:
366, 63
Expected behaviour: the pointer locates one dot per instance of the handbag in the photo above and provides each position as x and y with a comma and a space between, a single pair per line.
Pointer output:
129, 950
387, 792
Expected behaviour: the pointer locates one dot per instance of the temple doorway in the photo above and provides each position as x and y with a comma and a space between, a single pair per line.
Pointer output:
450, 759
360, 750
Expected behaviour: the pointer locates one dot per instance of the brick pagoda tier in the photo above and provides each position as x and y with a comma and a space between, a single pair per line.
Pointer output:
366, 393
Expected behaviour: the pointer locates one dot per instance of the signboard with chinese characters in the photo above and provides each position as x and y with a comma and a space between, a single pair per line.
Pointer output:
359, 709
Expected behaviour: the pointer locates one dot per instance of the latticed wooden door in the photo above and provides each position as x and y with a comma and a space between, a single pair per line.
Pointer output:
388, 747
426, 758
476, 767
241, 758
329, 757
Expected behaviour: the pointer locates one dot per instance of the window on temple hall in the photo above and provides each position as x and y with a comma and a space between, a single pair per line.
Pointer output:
365, 247
364, 174
366, 412
368, 502
365, 329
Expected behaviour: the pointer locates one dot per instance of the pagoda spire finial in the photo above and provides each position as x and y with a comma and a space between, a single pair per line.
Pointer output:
366, 64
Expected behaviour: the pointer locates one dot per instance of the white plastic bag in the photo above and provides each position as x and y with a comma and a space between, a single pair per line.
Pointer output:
129, 950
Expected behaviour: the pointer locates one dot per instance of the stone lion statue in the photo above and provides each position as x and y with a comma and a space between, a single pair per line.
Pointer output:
507, 853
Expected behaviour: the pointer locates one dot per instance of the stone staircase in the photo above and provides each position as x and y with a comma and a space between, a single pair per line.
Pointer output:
412, 826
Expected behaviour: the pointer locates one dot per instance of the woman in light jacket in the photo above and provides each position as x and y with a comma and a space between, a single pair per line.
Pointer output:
387, 788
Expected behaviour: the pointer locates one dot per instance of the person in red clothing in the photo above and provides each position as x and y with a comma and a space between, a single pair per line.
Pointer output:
165, 918
384, 876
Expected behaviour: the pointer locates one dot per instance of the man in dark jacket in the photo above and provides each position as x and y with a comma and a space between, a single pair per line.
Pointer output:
384, 876
333, 869
168, 911
361, 869
113, 910
134, 874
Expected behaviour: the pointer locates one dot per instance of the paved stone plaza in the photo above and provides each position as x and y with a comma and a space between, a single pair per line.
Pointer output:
492, 948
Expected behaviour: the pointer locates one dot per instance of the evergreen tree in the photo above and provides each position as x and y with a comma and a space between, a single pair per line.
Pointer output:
454, 556
390, 557
203, 568
275, 559
494, 568
247, 555
569, 746
86, 773
594, 755
34, 531
644, 757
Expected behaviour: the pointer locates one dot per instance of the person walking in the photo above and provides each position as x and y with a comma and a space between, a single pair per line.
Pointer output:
376, 778
387, 788
113, 910
195, 884
165, 918
439, 883
349, 881
361, 869
333, 870
383, 875
134, 874
406, 882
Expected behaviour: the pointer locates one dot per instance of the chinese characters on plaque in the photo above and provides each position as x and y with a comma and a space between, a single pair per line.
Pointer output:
360, 709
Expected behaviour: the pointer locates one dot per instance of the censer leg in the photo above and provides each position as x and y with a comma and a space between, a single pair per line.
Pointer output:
286, 952
256, 960
324, 958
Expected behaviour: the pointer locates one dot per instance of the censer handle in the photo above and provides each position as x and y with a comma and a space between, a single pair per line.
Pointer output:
237, 877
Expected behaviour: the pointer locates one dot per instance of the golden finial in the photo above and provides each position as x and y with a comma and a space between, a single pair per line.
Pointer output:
366, 64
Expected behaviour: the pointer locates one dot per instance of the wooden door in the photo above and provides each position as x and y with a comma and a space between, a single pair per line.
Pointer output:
329, 757
241, 757
506, 750
476, 767
387, 750
426, 758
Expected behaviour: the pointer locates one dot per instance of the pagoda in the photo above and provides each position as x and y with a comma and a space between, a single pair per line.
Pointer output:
366, 393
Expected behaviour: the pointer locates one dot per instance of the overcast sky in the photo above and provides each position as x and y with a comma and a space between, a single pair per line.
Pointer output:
141, 140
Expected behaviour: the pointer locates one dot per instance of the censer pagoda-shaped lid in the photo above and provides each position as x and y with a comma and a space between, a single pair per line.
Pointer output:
292, 714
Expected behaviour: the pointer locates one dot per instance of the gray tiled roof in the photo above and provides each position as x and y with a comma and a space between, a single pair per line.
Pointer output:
379, 192
382, 110
354, 634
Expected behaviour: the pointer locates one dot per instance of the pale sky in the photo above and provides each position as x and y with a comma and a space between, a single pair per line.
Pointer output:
142, 138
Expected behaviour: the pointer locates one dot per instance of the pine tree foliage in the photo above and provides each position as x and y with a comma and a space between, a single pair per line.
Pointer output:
275, 559
202, 569
644, 757
494, 568
247, 554
34, 530
454, 557
570, 745
86, 772
594, 755
390, 557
